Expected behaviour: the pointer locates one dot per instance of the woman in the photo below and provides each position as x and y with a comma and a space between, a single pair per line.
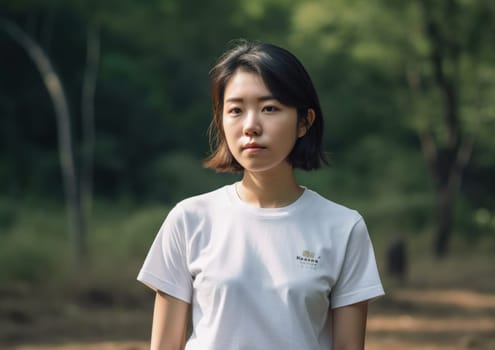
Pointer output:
263, 263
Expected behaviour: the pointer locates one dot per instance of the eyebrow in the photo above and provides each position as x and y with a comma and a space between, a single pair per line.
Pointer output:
240, 99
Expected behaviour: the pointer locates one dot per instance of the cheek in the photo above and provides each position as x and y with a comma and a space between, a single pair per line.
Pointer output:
229, 134
288, 133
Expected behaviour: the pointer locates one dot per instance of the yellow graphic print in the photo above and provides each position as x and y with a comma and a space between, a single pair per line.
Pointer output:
308, 254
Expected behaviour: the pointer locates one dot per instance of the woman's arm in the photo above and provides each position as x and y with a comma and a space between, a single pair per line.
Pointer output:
349, 326
170, 318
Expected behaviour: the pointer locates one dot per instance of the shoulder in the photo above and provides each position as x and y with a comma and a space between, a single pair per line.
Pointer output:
203, 203
327, 208
196, 211
333, 219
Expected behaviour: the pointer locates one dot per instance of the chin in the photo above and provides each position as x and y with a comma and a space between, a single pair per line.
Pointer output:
264, 168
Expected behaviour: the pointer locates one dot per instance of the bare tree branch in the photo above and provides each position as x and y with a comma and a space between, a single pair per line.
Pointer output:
59, 100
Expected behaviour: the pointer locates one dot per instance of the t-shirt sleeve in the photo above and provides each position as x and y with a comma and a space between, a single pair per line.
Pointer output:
165, 267
359, 279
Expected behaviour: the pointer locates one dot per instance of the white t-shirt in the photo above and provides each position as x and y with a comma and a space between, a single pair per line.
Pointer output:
262, 278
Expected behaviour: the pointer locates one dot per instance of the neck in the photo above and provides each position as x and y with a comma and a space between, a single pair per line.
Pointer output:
269, 190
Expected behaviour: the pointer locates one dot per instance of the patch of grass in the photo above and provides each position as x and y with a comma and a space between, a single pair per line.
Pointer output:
33, 248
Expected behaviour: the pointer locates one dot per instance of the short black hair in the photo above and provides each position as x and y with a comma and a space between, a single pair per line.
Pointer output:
288, 81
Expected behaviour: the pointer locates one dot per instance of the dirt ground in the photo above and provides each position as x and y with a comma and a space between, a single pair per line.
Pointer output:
433, 320
406, 319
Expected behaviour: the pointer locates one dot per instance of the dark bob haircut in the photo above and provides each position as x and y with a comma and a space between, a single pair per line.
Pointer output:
290, 84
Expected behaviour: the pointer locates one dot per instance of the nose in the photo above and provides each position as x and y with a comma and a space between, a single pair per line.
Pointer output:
252, 124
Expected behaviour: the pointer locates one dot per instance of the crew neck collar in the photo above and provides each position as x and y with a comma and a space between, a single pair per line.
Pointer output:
266, 212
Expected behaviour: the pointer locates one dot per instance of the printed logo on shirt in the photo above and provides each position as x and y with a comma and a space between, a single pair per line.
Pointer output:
308, 259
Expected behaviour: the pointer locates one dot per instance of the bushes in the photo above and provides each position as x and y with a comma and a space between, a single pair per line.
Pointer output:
33, 246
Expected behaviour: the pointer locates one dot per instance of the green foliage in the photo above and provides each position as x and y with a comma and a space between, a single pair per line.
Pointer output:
121, 234
35, 251
180, 175
370, 61
484, 219
23, 259
33, 246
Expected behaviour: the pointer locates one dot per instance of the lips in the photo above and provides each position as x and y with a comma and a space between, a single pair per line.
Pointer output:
252, 146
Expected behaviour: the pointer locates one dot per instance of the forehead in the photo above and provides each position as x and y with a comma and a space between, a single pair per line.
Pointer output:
244, 84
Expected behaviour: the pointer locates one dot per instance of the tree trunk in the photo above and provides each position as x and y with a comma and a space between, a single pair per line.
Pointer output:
59, 100
446, 161
444, 222
447, 195
447, 171
88, 123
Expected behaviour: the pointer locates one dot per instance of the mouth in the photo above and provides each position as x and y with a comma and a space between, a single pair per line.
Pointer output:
252, 147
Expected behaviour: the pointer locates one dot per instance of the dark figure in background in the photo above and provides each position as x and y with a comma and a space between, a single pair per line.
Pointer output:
397, 259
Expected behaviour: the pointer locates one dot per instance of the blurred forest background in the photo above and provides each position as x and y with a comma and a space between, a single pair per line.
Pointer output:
104, 110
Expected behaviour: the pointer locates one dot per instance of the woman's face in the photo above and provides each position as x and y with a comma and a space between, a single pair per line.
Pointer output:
259, 130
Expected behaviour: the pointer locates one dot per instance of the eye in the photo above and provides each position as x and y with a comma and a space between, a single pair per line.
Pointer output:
234, 111
270, 109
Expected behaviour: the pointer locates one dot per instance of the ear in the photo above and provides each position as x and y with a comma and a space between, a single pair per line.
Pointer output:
306, 123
